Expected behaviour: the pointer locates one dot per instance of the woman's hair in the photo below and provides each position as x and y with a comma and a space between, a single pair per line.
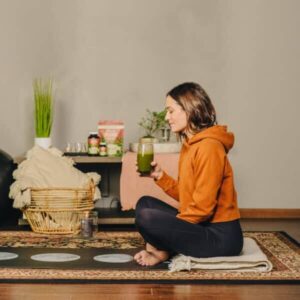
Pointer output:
197, 105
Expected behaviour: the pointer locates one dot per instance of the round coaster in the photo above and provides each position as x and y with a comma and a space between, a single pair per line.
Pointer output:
114, 258
55, 257
8, 255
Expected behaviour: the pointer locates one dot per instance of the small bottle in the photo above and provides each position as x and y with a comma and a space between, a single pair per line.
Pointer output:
93, 144
103, 149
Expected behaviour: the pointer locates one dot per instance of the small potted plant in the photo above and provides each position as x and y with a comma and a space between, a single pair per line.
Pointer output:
43, 102
153, 122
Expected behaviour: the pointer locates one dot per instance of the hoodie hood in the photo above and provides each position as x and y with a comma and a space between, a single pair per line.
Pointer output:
217, 132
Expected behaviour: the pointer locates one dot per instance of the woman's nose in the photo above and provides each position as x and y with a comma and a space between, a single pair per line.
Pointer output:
167, 117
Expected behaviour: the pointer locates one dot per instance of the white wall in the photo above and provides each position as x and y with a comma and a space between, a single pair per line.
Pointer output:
112, 59
261, 90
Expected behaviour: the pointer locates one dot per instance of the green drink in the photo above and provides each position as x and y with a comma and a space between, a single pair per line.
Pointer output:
144, 158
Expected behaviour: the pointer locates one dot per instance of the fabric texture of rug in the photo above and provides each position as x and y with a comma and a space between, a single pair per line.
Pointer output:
282, 251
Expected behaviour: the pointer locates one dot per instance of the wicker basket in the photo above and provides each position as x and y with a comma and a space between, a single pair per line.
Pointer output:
58, 210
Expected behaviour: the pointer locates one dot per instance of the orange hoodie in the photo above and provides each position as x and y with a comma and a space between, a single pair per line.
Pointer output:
205, 188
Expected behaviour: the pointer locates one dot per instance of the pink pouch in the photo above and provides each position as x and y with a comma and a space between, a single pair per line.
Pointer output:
112, 133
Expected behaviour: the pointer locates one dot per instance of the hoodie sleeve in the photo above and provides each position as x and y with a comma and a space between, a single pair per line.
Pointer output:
169, 185
208, 164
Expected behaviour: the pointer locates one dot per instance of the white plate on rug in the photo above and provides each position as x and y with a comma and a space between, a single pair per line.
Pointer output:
8, 255
114, 258
55, 257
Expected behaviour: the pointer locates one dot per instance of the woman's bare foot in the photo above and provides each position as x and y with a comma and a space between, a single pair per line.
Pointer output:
151, 256
145, 258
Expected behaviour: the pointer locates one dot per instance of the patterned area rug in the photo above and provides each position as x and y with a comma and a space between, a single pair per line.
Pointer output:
282, 251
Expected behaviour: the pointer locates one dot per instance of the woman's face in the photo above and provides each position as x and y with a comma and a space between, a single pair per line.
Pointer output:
176, 116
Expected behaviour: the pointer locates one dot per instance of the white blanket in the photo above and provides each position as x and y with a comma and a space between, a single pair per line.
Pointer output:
251, 259
48, 169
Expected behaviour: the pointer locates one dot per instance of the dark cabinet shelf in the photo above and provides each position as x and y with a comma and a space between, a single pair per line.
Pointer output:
84, 159
115, 216
110, 170
96, 159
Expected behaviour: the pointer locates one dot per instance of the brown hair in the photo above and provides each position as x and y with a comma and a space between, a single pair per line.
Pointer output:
197, 105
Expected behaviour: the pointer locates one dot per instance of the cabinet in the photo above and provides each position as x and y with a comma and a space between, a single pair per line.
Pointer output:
108, 207
109, 168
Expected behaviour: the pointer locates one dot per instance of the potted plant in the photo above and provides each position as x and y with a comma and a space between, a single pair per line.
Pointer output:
153, 122
43, 100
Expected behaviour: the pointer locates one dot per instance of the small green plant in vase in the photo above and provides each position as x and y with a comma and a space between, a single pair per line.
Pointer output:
153, 122
43, 112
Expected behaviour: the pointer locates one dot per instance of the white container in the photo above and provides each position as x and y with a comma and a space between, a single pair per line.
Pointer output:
44, 142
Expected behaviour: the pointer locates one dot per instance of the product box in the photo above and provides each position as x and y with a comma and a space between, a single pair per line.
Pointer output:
112, 133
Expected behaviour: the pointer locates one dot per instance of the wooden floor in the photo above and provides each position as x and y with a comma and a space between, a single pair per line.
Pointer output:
163, 291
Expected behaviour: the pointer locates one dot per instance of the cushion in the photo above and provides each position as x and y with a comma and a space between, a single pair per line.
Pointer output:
8, 215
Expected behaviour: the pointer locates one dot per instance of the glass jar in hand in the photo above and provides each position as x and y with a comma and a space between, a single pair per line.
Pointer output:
145, 156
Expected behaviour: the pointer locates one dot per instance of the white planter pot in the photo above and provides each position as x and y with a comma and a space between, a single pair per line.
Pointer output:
44, 142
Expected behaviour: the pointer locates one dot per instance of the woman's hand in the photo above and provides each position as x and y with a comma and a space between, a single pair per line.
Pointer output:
157, 171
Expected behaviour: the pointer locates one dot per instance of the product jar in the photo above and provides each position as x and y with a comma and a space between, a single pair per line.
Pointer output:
103, 149
93, 144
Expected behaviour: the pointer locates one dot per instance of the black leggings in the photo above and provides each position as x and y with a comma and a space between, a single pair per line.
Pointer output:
157, 223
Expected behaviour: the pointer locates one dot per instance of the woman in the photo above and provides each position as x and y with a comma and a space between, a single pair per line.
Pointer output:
207, 221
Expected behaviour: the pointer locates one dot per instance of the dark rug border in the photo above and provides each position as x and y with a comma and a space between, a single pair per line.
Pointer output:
175, 282
288, 237
285, 234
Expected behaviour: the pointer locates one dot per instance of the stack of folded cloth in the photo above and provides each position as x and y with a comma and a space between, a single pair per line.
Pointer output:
251, 259
48, 168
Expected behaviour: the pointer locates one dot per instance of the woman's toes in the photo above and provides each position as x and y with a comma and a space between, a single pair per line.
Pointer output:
137, 256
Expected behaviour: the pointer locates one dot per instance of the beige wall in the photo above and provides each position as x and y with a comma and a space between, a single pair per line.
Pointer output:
113, 59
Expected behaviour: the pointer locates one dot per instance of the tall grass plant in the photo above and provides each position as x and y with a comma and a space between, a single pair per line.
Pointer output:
43, 100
